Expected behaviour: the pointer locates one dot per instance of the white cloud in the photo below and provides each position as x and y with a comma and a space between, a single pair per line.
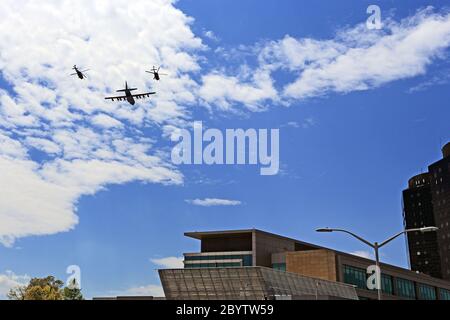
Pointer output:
11, 148
44, 145
305, 124
308, 123
224, 91
169, 262
30, 205
146, 291
360, 60
90, 143
441, 78
213, 202
291, 124
210, 35
151, 290
355, 59
10, 280
105, 121
363, 254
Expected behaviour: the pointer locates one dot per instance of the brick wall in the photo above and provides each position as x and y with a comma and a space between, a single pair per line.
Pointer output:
319, 264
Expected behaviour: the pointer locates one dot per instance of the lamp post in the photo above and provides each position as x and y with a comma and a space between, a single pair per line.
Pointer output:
377, 246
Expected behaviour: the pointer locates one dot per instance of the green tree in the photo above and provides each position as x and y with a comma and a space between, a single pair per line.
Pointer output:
73, 292
17, 293
48, 288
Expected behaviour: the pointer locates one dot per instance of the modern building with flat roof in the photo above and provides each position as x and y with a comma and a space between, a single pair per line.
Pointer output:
266, 256
426, 203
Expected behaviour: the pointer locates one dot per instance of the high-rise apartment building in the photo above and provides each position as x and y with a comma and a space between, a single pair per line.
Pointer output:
427, 203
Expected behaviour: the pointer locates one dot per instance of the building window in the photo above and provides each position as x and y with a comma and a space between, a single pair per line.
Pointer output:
212, 265
445, 294
427, 292
405, 288
358, 277
355, 276
247, 260
387, 284
279, 266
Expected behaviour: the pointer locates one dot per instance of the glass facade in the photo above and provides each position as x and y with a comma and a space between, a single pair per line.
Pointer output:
387, 284
445, 294
218, 261
279, 266
406, 288
355, 276
212, 265
352, 275
358, 277
250, 283
427, 292
206, 261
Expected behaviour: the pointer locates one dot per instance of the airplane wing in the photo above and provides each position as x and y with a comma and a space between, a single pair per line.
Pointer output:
143, 95
116, 98
137, 96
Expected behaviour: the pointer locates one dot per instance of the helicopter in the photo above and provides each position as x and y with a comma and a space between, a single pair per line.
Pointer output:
156, 74
79, 73
129, 96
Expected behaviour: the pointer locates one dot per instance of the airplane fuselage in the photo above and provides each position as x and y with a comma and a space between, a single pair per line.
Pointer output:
130, 98
80, 75
157, 78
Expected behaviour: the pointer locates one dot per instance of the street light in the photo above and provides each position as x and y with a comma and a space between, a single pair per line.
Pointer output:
376, 246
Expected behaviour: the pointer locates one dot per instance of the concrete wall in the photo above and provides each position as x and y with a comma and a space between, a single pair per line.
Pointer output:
265, 245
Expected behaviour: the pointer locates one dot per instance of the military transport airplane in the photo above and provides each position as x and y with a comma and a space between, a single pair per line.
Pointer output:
129, 96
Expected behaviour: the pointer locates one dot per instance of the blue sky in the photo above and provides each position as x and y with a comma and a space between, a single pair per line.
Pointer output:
347, 148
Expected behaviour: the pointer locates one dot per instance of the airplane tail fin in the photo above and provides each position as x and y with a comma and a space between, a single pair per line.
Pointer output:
123, 90
126, 88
